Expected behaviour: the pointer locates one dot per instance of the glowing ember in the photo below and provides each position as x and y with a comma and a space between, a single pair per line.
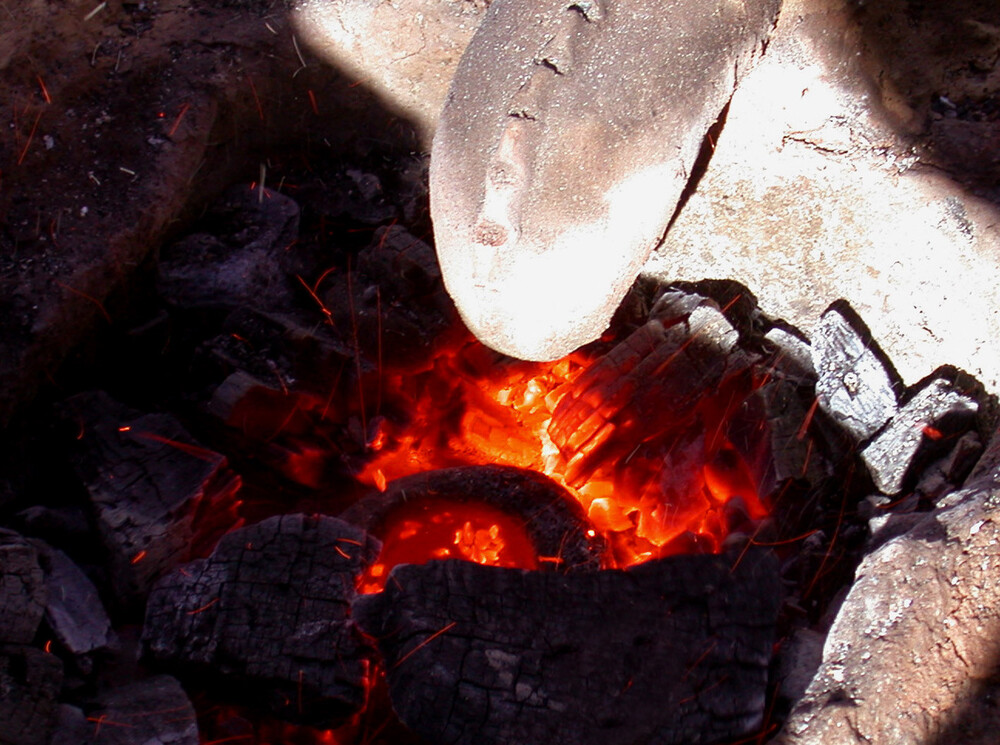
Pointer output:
438, 529
651, 484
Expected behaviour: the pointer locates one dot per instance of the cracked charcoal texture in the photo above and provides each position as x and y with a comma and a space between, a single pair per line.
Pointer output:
160, 498
22, 589
30, 680
672, 651
857, 385
268, 611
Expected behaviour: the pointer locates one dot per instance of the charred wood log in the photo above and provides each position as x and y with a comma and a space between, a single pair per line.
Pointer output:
160, 497
237, 259
650, 383
22, 589
30, 680
937, 411
553, 519
268, 613
857, 385
672, 651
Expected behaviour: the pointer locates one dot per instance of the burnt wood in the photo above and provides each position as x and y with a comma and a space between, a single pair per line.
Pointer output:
73, 609
554, 521
268, 615
672, 651
857, 384
160, 497
30, 681
22, 589
937, 411
650, 383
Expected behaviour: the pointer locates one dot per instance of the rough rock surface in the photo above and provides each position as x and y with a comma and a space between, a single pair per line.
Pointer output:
269, 613
552, 178
672, 651
911, 657
406, 52
819, 186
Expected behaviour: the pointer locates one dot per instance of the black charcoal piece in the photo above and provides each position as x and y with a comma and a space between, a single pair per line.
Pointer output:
73, 609
672, 651
153, 711
22, 589
938, 411
238, 257
857, 385
30, 680
160, 497
269, 614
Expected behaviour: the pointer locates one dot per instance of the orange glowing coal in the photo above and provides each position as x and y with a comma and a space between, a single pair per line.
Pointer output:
654, 483
440, 529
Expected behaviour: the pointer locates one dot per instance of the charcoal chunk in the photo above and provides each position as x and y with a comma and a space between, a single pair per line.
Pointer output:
650, 383
857, 385
268, 611
22, 589
30, 680
155, 711
160, 497
942, 408
237, 258
73, 609
672, 651
553, 519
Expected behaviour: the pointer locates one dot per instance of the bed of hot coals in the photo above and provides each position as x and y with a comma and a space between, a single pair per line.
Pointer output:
293, 501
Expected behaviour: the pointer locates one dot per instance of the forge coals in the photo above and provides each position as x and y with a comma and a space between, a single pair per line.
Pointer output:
325, 514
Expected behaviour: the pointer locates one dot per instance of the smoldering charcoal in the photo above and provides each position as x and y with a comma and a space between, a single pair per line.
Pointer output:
268, 613
671, 651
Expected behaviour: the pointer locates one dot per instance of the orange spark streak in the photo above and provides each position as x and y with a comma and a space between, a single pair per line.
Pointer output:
425, 642
228, 739
342, 552
829, 549
31, 136
800, 435
85, 296
314, 296
45, 91
138, 557
203, 608
48, 647
786, 541
312, 100
701, 658
192, 450
253, 89
177, 121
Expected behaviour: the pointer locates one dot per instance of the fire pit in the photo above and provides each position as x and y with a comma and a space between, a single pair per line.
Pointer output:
428, 541
286, 498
